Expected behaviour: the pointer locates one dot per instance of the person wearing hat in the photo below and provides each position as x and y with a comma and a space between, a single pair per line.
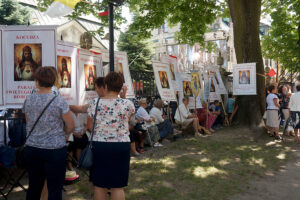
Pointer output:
163, 124
148, 122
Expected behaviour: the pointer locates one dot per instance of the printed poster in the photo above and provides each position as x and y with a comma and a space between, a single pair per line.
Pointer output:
164, 85
121, 65
186, 90
219, 82
89, 68
172, 62
67, 71
211, 92
1, 71
26, 49
244, 79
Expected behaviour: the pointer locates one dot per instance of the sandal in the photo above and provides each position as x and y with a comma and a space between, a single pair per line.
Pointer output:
278, 138
141, 150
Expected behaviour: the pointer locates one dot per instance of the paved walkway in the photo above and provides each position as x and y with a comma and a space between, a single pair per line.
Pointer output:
281, 185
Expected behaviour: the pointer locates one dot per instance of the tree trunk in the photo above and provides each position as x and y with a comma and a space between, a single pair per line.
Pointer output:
245, 15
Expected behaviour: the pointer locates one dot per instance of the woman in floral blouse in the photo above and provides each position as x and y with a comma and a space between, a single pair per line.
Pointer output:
111, 140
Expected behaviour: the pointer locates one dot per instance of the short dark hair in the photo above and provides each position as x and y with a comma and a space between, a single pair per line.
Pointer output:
271, 87
216, 101
230, 95
114, 81
298, 88
100, 82
45, 76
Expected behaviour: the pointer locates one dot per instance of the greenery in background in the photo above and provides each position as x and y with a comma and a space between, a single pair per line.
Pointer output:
90, 7
281, 40
138, 51
194, 16
12, 13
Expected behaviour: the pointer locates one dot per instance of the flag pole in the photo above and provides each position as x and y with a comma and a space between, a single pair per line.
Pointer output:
111, 36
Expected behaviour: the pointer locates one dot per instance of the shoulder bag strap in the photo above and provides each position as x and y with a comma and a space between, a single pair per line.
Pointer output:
94, 122
40, 117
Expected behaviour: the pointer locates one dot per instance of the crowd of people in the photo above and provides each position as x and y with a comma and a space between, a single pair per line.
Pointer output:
119, 129
283, 108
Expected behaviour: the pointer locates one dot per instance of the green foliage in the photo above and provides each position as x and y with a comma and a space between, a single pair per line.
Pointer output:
12, 13
88, 7
138, 51
281, 41
194, 17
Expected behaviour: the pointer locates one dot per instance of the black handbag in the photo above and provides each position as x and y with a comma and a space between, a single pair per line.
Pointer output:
20, 154
86, 157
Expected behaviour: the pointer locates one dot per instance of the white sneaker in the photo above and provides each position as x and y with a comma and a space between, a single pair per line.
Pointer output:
157, 144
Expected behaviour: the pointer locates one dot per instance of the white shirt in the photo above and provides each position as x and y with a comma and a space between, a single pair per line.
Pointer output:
295, 102
270, 101
80, 120
141, 113
184, 113
157, 115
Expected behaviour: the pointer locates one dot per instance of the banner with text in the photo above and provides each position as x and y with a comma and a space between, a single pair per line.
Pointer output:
26, 49
244, 79
121, 65
219, 84
211, 92
67, 71
172, 62
89, 68
186, 89
163, 78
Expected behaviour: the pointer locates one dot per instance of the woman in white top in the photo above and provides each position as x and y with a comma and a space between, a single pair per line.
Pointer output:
142, 115
185, 118
273, 118
295, 110
163, 124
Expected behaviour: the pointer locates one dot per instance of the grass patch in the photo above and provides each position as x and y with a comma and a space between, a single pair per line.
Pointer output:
202, 168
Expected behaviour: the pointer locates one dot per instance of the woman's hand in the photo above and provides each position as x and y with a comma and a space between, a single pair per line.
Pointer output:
123, 92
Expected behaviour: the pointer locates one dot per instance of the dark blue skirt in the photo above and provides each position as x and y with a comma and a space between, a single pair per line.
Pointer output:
111, 164
165, 128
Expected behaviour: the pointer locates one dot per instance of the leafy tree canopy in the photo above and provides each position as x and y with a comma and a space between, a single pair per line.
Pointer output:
12, 13
281, 40
138, 51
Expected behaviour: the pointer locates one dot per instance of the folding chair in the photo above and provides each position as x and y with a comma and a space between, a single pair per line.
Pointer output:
13, 174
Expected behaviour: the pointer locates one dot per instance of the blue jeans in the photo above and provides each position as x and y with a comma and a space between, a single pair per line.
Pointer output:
45, 164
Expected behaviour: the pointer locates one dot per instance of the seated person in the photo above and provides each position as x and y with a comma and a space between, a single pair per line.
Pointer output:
163, 124
78, 139
137, 137
203, 114
184, 118
215, 109
146, 124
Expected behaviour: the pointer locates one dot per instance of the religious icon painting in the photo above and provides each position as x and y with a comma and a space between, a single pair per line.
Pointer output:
90, 77
172, 71
164, 79
187, 88
64, 70
195, 82
27, 58
120, 70
244, 77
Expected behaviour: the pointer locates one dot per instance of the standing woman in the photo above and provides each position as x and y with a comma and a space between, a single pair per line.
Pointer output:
45, 150
111, 142
273, 117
